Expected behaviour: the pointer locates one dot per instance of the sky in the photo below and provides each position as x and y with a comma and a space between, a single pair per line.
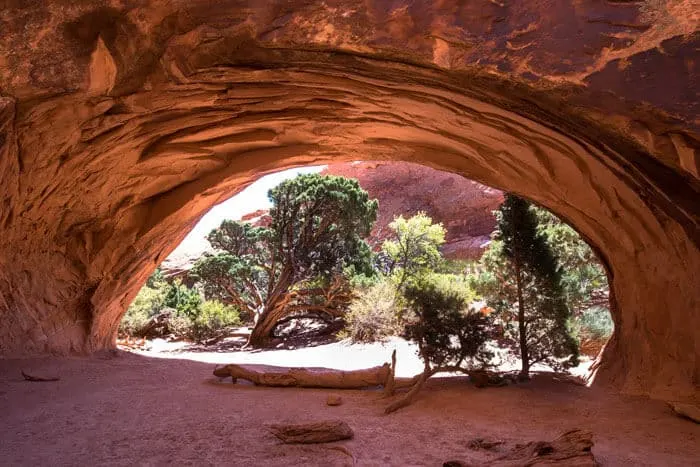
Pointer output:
251, 199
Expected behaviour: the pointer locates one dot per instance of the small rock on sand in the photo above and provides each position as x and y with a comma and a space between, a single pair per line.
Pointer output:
333, 400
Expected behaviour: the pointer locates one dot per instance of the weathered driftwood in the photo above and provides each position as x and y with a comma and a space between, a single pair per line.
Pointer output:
408, 397
309, 433
691, 412
480, 378
481, 444
265, 375
390, 385
39, 379
572, 448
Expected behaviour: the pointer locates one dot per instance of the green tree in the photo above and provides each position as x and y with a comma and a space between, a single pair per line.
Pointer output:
317, 230
583, 276
415, 248
522, 282
450, 336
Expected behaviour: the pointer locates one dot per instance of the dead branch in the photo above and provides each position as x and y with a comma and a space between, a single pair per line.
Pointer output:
390, 384
39, 379
344, 450
310, 433
572, 448
408, 397
691, 412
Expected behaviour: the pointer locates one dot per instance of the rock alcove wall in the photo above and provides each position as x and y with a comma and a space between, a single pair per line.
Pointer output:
122, 122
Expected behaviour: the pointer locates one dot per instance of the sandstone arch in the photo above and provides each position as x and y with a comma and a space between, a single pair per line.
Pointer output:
121, 124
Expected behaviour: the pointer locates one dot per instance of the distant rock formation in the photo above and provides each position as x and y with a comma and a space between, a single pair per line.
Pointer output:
464, 207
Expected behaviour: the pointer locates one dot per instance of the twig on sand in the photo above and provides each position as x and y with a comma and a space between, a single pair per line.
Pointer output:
39, 379
344, 450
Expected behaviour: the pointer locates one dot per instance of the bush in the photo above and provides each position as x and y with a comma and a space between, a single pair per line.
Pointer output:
594, 323
373, 314
592, 328
457, 284
182, 298
148, 303
211, 320
448, 334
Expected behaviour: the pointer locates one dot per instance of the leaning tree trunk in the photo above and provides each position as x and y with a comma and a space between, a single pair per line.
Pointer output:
272, 312
260, 335
285, 303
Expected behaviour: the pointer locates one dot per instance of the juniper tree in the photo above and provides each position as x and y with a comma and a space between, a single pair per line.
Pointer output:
317, 230
522, 281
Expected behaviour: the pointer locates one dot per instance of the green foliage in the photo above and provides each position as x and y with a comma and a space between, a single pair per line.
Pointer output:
458, 266
183, 299
583, 276
415, 248
316, 234
319, 224
147, 303
373, 314
457, 284
448, 334
156, 280
522, 282
212, 318
594, 324
179, 309
409, 259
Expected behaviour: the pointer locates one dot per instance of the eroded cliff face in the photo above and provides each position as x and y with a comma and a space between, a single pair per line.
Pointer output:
464, 207
122, 122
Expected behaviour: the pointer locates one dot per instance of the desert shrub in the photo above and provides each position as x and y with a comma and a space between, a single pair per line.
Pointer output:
593, 327
458, 284
594, 323
211, 320
178, 325
148, 302
182, 298
134, 322
449, 335
373, 314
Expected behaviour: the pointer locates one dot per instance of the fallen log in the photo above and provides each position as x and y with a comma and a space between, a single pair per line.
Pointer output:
266, 375
310, 433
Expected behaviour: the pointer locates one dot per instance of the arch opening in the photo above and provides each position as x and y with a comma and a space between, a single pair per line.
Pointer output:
466, 211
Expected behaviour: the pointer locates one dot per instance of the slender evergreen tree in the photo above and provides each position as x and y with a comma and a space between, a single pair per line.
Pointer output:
523, 283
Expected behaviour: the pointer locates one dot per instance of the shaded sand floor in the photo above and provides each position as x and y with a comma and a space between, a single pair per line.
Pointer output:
132, 409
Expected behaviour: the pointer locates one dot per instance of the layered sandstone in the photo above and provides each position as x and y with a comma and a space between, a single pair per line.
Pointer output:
123, 122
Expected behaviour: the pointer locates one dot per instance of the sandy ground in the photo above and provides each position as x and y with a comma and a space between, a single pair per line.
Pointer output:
135, 409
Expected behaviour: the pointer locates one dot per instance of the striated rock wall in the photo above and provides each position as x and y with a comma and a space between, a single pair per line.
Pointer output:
123, 121
464, 207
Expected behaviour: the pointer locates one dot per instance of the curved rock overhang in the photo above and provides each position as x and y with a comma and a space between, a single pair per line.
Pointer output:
121, 126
